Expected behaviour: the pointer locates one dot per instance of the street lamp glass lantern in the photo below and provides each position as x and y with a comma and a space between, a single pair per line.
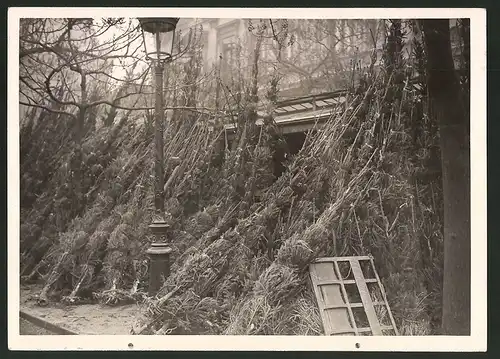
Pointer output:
158, 34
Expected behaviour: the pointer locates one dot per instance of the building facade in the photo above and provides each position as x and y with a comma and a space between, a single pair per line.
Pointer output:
317, 55
314, 53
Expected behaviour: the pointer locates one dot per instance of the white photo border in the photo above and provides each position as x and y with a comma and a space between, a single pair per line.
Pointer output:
475, 342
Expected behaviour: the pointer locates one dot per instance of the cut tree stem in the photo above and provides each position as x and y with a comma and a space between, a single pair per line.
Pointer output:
54, 276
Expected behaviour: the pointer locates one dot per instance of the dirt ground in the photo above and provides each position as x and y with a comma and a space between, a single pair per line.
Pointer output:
83, 319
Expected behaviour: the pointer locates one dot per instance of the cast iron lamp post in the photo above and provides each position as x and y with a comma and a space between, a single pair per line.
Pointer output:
158, 35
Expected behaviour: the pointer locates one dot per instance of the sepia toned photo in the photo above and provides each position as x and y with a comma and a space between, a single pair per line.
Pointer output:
247, 176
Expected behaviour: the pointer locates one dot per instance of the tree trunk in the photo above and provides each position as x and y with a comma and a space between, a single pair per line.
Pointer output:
465, 62
444, 91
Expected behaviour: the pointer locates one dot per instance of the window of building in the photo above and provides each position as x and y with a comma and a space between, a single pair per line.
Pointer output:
293, 48
204, 44
267, 50
227, 48
227, 40
341, 35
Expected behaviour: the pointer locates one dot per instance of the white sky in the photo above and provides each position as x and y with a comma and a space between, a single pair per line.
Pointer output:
118, 72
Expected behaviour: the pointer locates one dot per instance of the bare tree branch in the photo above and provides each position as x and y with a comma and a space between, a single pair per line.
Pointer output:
51, 95
48, 109
186, 108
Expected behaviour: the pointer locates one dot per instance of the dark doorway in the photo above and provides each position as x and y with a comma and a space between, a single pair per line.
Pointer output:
288, 146
291, 145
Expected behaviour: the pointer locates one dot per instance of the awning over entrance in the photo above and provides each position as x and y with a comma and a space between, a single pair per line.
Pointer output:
303, 113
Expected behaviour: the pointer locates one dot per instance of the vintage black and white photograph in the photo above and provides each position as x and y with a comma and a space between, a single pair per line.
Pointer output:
247, 175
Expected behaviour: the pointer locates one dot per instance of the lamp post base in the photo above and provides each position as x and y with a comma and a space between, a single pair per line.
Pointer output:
159, 257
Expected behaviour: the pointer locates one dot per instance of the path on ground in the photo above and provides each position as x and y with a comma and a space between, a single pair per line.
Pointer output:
86, 319
28, 328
